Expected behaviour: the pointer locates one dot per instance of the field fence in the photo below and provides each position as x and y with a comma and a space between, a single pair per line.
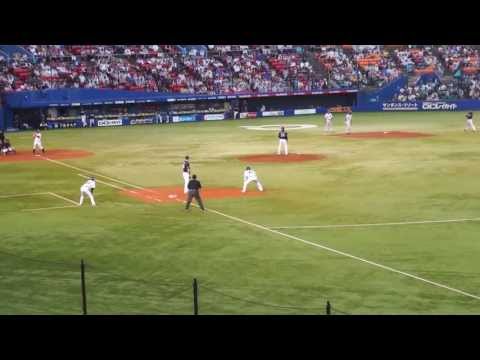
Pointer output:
37, 286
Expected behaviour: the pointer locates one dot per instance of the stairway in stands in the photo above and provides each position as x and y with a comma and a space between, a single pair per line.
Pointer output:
9, 50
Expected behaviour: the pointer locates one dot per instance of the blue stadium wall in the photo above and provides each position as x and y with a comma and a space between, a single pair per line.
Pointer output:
88, 97
378, 100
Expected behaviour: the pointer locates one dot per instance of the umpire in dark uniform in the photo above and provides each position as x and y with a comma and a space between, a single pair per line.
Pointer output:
194, 187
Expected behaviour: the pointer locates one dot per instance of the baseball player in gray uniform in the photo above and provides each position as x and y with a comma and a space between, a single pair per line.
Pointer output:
186, 173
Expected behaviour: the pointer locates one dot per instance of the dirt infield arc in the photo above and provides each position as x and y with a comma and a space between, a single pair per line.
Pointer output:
57, 154
173, 194
269, 158
384, 135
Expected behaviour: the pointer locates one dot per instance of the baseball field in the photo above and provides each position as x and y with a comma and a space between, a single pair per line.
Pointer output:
381, 224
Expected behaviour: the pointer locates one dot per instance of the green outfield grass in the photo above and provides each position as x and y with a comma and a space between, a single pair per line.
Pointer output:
141, 258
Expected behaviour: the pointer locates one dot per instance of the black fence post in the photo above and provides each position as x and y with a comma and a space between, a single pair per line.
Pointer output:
329, 308
195, 297
84, 290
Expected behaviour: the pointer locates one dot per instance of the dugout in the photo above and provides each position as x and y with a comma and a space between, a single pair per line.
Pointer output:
273, 103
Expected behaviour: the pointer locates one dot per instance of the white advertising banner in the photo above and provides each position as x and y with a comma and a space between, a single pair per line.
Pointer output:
117, 122
214, 117
304, 111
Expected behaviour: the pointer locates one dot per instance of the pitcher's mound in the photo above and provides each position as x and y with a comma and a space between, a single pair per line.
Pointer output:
384, 135
56, 154
175, 194
269, 158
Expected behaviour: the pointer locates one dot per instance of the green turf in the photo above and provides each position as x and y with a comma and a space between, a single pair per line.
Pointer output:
141, 258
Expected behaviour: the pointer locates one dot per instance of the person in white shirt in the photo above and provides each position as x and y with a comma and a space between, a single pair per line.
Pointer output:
328, 121
84, 119
250, 175
87, 189
37, 141
348, 122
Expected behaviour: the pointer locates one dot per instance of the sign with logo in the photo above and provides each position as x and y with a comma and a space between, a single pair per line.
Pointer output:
214, 117
400, 106
117, 122
441, 105
273, 113
141, 121
304, 111
248, 115
181, 118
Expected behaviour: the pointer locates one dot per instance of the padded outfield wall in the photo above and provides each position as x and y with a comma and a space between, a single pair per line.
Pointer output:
31, 104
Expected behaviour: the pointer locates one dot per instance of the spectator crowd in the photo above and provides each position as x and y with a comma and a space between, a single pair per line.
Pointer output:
216, 69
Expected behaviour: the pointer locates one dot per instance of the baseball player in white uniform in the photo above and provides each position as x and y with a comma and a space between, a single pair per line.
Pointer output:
328, 121
7, 148
470, 125
348, 122
249, 175
37, 141
87, 189
282, 141
84, 119
186, 173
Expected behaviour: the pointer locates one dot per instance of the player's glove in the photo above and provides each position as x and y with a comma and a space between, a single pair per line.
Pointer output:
92, 190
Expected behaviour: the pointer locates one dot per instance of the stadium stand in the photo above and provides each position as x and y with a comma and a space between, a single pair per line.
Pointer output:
218, 69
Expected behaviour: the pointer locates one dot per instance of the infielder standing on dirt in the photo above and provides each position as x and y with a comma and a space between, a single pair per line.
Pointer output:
328, 121
348, 122
282, 141
249, 175
186, 173
37, 141
470, 125
87, 189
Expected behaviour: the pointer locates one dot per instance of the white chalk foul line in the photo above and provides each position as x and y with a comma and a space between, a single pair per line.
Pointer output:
120, 188
388, 268
53, 207
22, 195
63, 198
103, 182
91, 172
334, 226
104, 176
314, 244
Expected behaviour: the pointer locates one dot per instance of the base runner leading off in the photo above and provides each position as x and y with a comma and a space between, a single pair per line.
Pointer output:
87, 189
37, 141
186, 173
249, 175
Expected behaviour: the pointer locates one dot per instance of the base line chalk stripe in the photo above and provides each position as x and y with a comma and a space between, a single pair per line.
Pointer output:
93, 173
334, 226
310, 243
54, 207
63, 198
103, 182
22, 195
119, 187
384, 267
